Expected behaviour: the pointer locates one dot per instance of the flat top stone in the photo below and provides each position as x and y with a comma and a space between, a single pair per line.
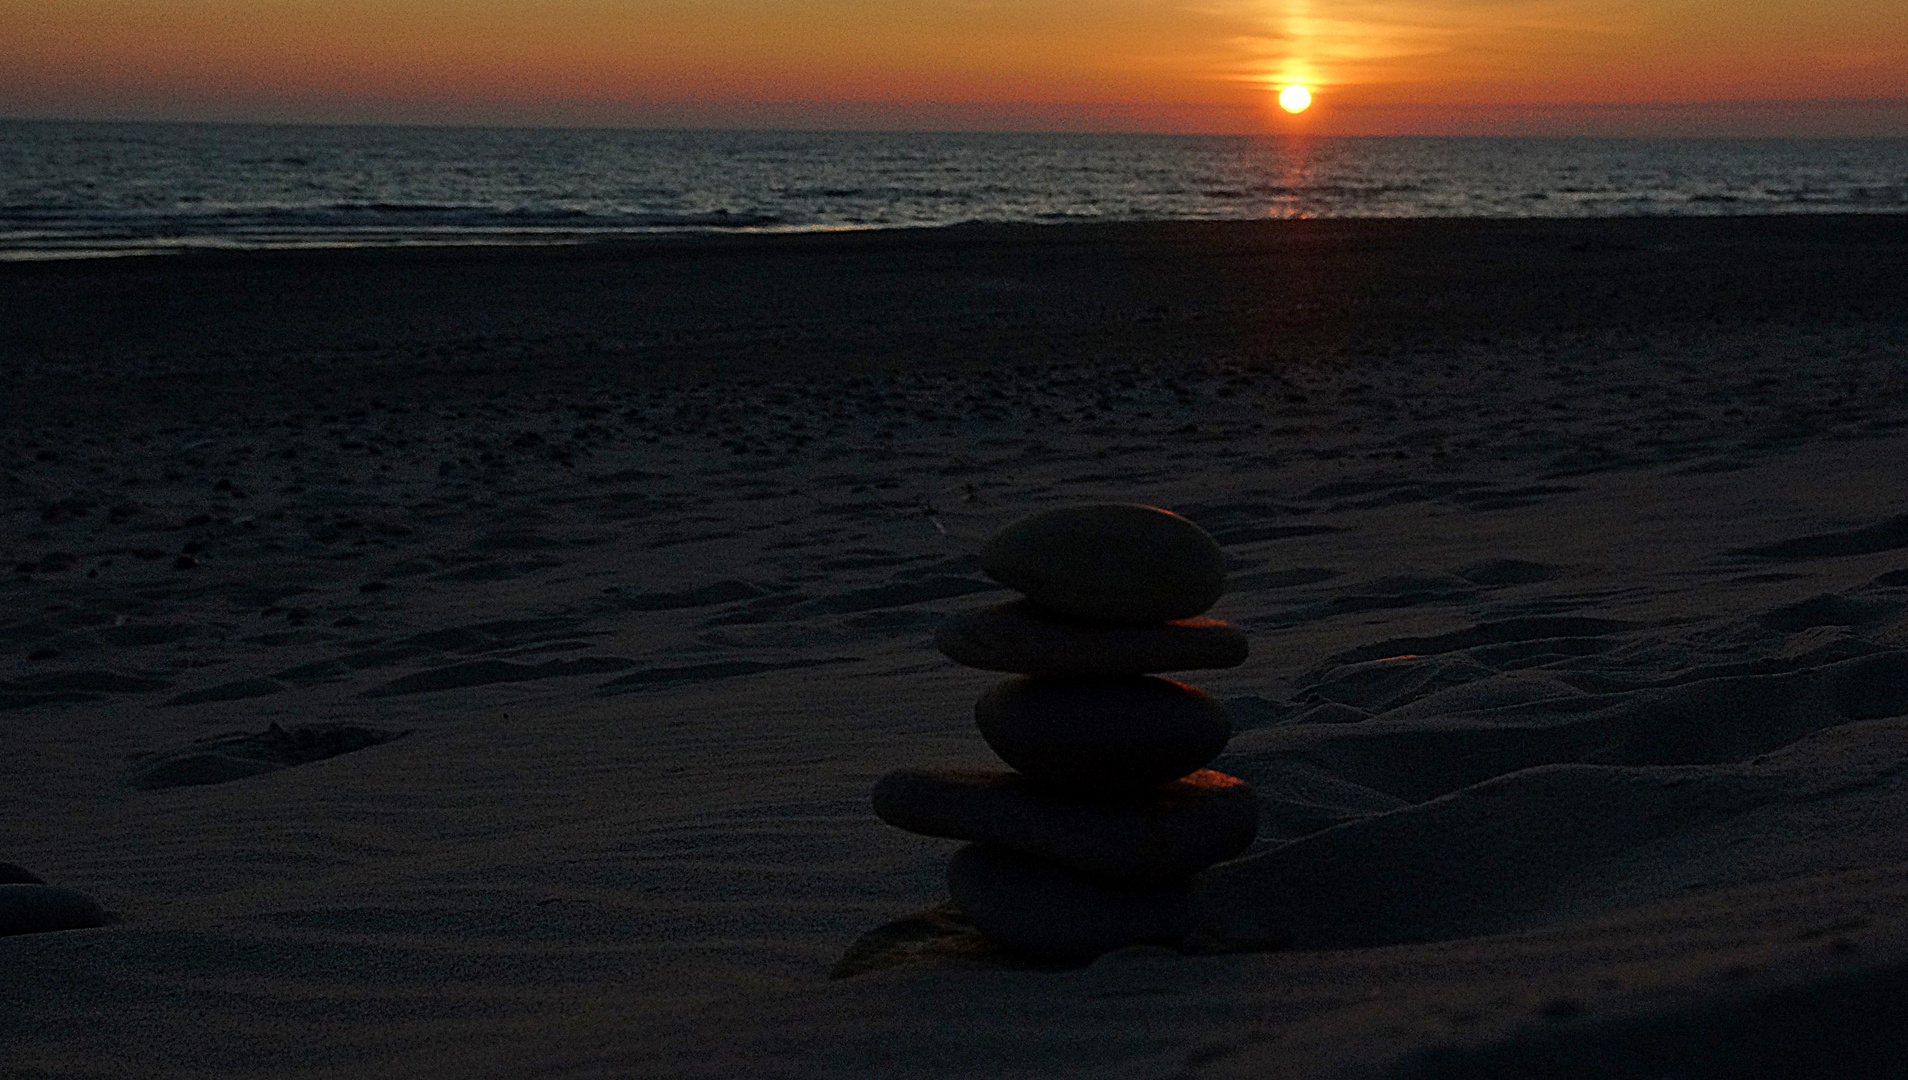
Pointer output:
1017, 636
1113, 562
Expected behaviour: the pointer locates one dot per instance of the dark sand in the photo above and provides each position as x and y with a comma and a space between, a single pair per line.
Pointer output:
644, 545
816, 307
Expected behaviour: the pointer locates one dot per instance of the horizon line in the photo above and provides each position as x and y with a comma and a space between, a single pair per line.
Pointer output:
867, 116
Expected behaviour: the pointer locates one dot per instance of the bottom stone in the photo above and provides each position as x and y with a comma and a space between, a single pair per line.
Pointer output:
1042, 909
1165, 834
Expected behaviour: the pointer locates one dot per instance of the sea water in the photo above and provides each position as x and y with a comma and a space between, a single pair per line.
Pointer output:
76, 189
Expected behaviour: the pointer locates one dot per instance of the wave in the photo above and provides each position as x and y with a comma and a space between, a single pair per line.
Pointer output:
47, 227
155, 187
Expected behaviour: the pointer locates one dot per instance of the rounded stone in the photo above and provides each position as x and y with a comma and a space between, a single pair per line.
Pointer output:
1045, 910
15, 874
1165, 834
1017, 636
1112, 562
1102, 737
40, 909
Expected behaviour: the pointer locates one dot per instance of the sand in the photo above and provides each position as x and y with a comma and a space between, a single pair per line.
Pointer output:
1574, 557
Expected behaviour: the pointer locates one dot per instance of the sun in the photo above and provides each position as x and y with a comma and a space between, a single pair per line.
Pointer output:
1295, 99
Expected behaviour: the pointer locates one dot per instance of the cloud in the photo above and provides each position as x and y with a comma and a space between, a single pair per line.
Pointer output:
1370, 42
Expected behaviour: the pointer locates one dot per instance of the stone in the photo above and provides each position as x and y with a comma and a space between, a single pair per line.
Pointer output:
1017, 636
14, 874
40, 909
1111, 562
1048, 911
1104, 737
1162, 835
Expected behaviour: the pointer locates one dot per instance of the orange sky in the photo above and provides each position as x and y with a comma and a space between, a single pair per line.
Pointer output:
1378, 66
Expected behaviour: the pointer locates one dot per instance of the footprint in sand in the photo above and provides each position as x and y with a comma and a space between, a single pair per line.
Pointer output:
1886, 535
226, 758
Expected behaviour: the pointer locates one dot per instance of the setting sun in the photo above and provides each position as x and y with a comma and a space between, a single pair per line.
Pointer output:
1295, 99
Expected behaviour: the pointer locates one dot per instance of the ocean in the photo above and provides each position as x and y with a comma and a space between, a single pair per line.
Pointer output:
91, 189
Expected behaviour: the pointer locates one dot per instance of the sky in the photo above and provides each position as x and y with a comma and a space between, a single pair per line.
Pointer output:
1715, 67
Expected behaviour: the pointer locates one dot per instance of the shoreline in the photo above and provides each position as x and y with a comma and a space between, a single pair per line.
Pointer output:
637, 238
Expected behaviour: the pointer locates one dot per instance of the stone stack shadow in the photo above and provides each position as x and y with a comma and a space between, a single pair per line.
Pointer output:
1089, 844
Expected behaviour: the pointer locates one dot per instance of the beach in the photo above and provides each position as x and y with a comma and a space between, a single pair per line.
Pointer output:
1573, 556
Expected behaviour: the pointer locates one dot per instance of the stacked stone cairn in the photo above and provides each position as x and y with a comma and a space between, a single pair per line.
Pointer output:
1091, 842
